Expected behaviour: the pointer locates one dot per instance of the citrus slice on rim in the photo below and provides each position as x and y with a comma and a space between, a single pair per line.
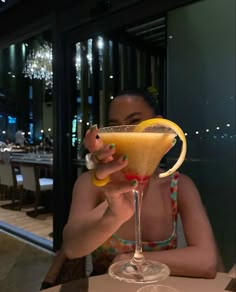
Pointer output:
141, 127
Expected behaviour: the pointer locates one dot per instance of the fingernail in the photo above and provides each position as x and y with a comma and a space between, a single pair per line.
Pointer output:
125, 157
174, 141
111, 146
93, 127
134, 182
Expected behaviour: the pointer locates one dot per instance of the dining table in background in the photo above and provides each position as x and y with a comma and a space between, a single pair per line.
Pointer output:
105, 283
32, 158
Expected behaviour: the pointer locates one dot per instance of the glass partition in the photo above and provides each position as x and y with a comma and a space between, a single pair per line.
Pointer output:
26, 126
105, 64
201, 98
26, 89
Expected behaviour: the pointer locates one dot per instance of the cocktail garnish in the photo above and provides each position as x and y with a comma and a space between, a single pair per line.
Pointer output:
144, 125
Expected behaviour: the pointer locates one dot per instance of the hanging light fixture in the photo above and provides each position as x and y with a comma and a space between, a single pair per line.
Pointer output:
38, 64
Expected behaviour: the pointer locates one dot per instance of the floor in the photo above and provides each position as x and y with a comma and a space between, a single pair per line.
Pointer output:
41, 225
23, 265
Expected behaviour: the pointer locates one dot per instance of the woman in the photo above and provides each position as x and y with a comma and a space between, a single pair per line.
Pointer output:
101, 219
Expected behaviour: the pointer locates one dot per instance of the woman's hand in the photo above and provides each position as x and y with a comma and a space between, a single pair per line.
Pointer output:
120, 198
90, 140
118, 191
100, 153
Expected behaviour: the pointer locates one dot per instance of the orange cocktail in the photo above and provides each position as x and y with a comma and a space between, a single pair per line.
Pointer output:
144, 150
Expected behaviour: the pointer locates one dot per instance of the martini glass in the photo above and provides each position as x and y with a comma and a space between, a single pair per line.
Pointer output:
145, 144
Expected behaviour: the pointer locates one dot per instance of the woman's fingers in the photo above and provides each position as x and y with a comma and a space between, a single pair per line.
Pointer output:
120, 198
100, 152
104, 154
104, 170
91, 142
123, 187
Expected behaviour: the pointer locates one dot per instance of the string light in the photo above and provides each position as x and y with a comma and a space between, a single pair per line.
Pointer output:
217, 138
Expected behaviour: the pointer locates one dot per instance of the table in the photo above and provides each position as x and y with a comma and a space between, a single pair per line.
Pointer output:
105, 283
32, 158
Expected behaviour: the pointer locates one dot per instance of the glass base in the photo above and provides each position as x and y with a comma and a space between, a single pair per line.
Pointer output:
148, 272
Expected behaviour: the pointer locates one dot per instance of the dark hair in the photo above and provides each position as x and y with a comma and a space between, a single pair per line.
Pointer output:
150, 99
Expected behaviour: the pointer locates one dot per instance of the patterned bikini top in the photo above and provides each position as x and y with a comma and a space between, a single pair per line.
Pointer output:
104, 255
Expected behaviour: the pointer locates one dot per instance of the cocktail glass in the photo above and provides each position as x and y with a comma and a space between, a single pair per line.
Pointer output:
157, 288
145, 144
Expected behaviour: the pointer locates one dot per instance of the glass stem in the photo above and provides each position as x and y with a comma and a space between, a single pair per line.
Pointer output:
138, 257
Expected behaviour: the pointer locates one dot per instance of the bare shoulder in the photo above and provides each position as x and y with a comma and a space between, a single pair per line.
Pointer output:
197, 228
186, 184
184, 179
188, 193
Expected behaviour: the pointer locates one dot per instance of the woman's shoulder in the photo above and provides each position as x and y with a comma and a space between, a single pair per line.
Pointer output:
187, 190
185, 180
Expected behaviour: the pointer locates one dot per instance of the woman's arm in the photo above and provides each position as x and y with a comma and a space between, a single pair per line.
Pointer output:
199, 258
96, 213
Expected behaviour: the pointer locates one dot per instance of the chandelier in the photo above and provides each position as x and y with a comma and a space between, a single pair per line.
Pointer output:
38, 64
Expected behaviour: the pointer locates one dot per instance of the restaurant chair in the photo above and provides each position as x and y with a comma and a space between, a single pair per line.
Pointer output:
11, 182
34, 183
63, 270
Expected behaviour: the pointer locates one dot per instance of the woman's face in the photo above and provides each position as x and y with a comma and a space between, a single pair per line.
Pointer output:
129, 110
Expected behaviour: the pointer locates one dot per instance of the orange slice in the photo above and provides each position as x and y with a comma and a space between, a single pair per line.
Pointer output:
174, 127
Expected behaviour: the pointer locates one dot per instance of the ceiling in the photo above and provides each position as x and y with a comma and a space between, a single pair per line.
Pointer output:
6, 4
149, 35
152, 32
